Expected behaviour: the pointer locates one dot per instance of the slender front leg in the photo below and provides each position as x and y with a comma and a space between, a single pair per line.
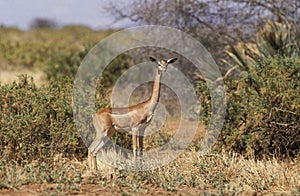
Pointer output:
140, 145
134, 142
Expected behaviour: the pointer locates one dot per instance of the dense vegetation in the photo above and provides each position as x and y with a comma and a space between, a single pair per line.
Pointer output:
263, 108
37, 123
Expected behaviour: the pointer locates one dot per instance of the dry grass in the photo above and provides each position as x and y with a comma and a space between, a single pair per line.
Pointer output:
190, 174
8, 76
212, 173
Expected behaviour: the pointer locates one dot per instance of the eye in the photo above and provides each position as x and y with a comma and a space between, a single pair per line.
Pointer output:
152, 59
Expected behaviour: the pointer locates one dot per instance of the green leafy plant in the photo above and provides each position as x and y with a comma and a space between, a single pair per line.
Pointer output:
263, 111
273, 39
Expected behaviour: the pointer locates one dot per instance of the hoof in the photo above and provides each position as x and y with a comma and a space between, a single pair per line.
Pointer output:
139, 153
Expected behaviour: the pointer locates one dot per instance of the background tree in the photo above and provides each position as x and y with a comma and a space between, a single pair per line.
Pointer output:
43, 23
215, 23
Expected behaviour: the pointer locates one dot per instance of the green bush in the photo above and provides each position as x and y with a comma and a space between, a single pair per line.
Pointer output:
263, 111
58, 52
37, 123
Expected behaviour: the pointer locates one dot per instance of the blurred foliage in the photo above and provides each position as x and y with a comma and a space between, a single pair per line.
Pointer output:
65, 64
56, 51
273, 39
263, 110
115, 69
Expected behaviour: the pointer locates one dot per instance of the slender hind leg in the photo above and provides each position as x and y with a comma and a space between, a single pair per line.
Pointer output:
99, 141
134, 145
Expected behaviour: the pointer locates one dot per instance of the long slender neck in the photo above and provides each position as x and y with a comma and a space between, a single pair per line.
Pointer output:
156, 89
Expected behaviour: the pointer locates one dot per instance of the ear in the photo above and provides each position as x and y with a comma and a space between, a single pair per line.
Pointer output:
152, 59
172, 60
